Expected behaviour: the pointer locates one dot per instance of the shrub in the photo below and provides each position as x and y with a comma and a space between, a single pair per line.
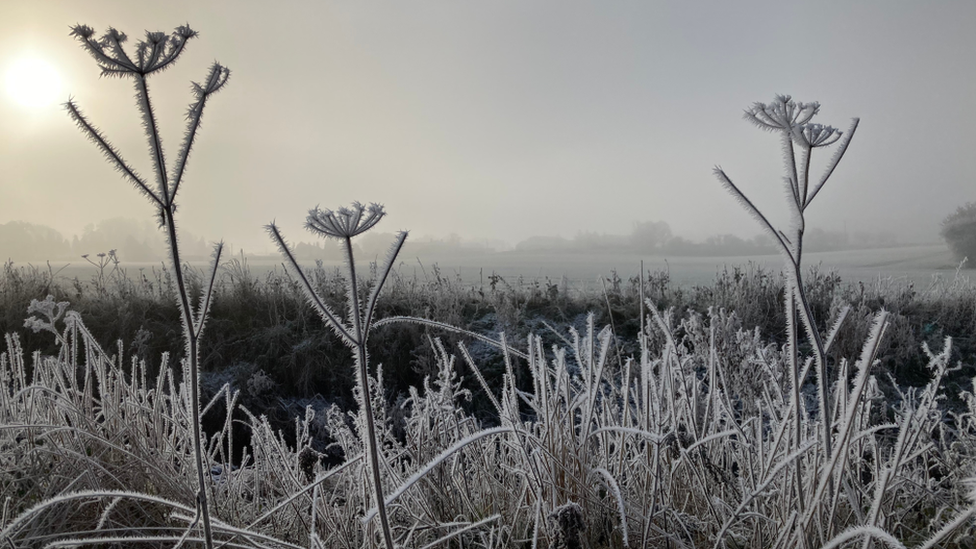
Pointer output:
959, 232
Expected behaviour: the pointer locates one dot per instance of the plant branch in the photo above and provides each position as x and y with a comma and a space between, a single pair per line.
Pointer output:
109, 151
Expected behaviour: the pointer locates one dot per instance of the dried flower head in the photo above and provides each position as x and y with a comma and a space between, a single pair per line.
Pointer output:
816, 135
154, 53
344, 222
783, 114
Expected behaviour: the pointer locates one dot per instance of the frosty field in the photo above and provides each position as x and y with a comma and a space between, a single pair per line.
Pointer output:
506, 400
645, 455
918, 265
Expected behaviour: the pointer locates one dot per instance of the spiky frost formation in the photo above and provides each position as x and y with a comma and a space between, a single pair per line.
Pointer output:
782, 114
792, 121
344, 222
816, 135
216, 79
155, 53
777, 235
331, 319
112, 155
834, 160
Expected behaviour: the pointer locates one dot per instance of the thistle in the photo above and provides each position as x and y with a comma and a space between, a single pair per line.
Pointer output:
344, 224
153, 54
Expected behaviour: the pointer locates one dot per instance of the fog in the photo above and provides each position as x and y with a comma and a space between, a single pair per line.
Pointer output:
501, 121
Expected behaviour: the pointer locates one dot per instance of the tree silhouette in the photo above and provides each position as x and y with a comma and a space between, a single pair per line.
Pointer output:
959, 232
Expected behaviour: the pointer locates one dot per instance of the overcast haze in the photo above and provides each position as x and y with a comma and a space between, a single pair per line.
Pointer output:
504, 120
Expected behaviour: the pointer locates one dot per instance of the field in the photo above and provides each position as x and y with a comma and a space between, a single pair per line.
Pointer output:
812, 401
269, 359
918, 265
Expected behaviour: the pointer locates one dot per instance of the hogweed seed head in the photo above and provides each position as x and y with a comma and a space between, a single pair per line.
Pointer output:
782, 114
344, 222
216, 79
156, 52
815, 135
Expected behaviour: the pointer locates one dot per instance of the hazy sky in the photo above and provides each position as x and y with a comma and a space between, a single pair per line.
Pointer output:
502, 120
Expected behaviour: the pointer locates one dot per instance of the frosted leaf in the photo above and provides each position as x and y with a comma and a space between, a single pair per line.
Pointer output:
51, 310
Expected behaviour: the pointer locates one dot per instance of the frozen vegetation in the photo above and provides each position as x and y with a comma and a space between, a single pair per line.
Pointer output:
677, 424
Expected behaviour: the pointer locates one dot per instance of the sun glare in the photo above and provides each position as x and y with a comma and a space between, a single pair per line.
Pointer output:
33, 83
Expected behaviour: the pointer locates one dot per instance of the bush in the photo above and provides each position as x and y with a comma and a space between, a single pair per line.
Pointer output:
959, 232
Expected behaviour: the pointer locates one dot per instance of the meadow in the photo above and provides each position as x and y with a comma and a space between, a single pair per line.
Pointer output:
269, 362
362, 406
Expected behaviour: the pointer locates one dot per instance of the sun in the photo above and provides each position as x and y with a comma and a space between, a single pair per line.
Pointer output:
33, 83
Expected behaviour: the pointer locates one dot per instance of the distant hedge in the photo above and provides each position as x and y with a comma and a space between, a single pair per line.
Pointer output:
959, 232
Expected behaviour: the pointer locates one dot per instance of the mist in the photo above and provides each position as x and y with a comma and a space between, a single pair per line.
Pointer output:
504, 121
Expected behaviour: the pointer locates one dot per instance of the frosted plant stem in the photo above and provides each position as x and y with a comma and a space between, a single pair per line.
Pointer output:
156, 146
163, 52
791, 119
189, 330
789, 154
948, 528
819, 355
361, 359
193, 358
805, 178
795, 381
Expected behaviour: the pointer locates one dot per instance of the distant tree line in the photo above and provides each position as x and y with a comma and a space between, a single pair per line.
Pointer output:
141, 241
655, 237
132, 240
959, 232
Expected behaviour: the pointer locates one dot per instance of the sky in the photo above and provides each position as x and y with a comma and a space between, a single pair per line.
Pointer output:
499, 120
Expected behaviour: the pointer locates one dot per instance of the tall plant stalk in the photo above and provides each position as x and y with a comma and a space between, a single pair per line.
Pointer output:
792, 121
343, 225
155, 53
